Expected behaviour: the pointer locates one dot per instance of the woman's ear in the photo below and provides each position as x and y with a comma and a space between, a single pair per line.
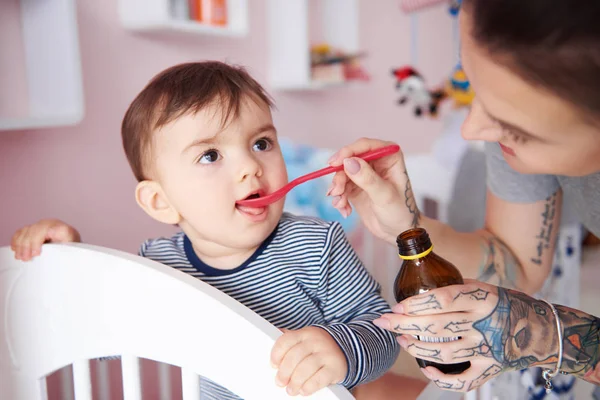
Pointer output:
153, 200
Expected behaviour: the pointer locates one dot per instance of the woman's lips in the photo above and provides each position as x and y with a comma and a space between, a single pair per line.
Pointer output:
507, 150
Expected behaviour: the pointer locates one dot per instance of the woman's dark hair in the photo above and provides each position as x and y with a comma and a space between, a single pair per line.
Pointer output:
551, 43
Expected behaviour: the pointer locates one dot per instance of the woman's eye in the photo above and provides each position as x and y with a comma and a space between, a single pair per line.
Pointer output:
209, 157
262, 145
515, 137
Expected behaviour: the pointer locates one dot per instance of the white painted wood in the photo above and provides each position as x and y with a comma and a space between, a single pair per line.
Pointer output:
78, 302
164, 380
340, 21
190, 382
81, 379
52, 63
154, 16
104, 383
132, 385
289, 45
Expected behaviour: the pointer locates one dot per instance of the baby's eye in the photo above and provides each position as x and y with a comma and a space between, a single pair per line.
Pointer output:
209, 157
263, 144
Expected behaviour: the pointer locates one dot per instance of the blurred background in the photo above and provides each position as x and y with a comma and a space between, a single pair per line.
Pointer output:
337, 69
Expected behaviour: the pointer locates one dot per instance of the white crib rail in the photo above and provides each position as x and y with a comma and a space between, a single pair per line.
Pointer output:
79, 302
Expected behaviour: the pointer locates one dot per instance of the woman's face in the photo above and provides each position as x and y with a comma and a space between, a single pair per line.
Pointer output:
538, 132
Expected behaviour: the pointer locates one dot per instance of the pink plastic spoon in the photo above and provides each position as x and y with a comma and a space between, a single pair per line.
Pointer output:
278, 194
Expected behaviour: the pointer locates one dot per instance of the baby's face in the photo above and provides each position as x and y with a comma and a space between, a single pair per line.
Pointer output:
204, 168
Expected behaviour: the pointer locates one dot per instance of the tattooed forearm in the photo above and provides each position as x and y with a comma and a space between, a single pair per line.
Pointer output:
411, 203
499, 265
521, 332
546, 235
581, 344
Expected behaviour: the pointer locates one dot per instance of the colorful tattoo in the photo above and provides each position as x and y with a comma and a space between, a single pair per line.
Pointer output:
520, 333
500, 266
581, 344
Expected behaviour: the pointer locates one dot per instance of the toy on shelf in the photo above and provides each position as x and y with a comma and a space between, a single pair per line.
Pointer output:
335, 66
459, 88
411, 86
454, 7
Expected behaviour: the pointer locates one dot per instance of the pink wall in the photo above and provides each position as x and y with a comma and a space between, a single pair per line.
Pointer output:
79, 174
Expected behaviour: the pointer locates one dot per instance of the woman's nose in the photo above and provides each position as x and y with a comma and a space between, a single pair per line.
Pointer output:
479, 126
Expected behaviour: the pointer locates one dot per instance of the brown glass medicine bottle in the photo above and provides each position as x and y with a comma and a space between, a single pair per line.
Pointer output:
421, 271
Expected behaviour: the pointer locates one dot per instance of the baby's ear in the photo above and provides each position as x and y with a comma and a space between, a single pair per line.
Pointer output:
153, 200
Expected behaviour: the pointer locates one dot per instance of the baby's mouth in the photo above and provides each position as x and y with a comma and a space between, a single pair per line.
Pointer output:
250, 209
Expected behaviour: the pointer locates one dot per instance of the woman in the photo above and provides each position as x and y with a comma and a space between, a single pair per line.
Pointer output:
535, 68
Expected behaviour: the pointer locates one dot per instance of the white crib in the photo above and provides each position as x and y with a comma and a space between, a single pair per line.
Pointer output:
80, 302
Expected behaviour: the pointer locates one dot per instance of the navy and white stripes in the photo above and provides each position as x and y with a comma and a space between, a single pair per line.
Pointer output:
305, 274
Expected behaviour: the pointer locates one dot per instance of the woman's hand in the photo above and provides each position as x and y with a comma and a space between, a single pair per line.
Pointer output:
498, 330
380, 191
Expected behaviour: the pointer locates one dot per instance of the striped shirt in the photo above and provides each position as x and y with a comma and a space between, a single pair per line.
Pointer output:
305, 273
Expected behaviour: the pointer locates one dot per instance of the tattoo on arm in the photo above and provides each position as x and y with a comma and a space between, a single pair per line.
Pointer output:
411, 203
499, 265
520, 333
581, 344
546, 234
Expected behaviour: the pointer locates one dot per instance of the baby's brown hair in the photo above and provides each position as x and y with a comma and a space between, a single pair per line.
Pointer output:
179, 90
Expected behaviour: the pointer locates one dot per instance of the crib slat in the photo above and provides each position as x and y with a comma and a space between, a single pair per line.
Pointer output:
82, 382
473, 395
132, 388
164, 380
190, 385
103, 378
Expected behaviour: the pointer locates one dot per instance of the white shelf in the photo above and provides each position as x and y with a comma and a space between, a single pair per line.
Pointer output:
52, 66
289, 39
155, 16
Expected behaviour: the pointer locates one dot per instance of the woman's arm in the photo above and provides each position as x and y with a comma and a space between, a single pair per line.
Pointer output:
581, 344
514, 250
500, 330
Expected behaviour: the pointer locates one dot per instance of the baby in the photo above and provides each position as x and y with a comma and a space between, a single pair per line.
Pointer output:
200, 137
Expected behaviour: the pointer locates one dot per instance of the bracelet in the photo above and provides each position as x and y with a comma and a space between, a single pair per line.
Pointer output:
547, 373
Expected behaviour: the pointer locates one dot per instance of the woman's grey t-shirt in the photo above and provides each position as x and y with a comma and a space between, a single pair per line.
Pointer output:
581, 193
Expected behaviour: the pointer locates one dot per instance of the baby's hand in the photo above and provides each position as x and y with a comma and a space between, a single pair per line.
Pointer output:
308, 359
27, 241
